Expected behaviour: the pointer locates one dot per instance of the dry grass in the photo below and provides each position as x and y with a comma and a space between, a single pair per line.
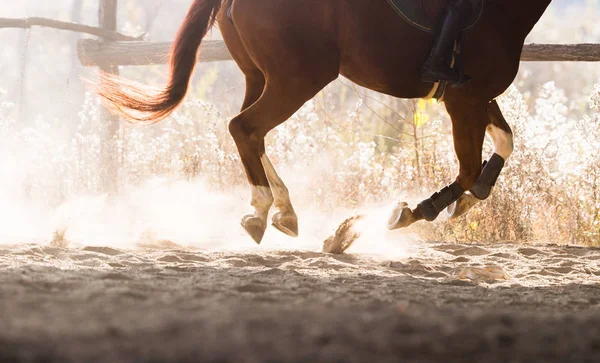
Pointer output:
548, 191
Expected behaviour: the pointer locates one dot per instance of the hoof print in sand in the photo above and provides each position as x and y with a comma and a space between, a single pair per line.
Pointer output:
343, 238
481, 274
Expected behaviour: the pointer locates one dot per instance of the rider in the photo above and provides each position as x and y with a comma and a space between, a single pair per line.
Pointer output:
437, 67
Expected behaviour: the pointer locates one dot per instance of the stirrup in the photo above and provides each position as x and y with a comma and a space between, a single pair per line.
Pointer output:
432, 75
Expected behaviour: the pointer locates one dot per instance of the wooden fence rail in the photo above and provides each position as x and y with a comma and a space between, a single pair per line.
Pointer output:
124, 50
561, 53
92, 52
27, 23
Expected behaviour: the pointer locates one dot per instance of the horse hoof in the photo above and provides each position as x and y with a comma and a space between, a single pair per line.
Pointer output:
461, 206
401, 217
286, 222
255, 227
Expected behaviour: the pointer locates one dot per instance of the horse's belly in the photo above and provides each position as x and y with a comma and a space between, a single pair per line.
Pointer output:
380, 51
398, 84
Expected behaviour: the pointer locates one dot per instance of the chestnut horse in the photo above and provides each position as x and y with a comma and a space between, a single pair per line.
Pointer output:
290, 50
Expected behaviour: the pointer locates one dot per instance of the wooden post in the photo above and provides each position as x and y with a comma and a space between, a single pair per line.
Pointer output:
107, 19
75, 89
22, 110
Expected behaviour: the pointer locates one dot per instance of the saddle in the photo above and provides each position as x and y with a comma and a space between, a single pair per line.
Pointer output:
423, 14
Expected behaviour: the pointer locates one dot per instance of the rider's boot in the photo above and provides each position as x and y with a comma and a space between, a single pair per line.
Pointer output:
437, 67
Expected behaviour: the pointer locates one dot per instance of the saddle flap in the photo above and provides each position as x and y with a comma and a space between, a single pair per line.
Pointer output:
424, 14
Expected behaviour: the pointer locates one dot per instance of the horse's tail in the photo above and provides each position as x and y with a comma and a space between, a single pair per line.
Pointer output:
137, 103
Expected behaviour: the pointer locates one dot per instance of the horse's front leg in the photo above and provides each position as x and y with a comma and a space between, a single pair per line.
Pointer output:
469, 124
501, 135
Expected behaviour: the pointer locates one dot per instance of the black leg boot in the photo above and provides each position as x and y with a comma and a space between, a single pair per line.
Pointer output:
437, 67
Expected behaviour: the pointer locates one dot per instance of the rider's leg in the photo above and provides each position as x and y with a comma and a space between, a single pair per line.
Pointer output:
437, 67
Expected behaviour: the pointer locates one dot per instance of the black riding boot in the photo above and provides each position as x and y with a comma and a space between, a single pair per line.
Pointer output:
437, 67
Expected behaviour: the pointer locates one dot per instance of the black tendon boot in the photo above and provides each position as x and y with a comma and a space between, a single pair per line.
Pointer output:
437, 67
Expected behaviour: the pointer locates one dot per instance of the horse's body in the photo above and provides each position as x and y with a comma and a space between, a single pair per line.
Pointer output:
290, 50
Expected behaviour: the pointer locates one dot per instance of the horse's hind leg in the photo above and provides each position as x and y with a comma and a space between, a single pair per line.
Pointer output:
501, 135
260, 36
469, 122
285, 219
280, 99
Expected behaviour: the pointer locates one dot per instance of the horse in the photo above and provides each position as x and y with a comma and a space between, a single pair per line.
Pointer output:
288, 51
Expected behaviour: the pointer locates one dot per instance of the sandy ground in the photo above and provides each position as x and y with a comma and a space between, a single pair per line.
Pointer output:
436, 303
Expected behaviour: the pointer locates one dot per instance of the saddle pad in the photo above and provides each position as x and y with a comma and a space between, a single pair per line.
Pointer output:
423, 14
